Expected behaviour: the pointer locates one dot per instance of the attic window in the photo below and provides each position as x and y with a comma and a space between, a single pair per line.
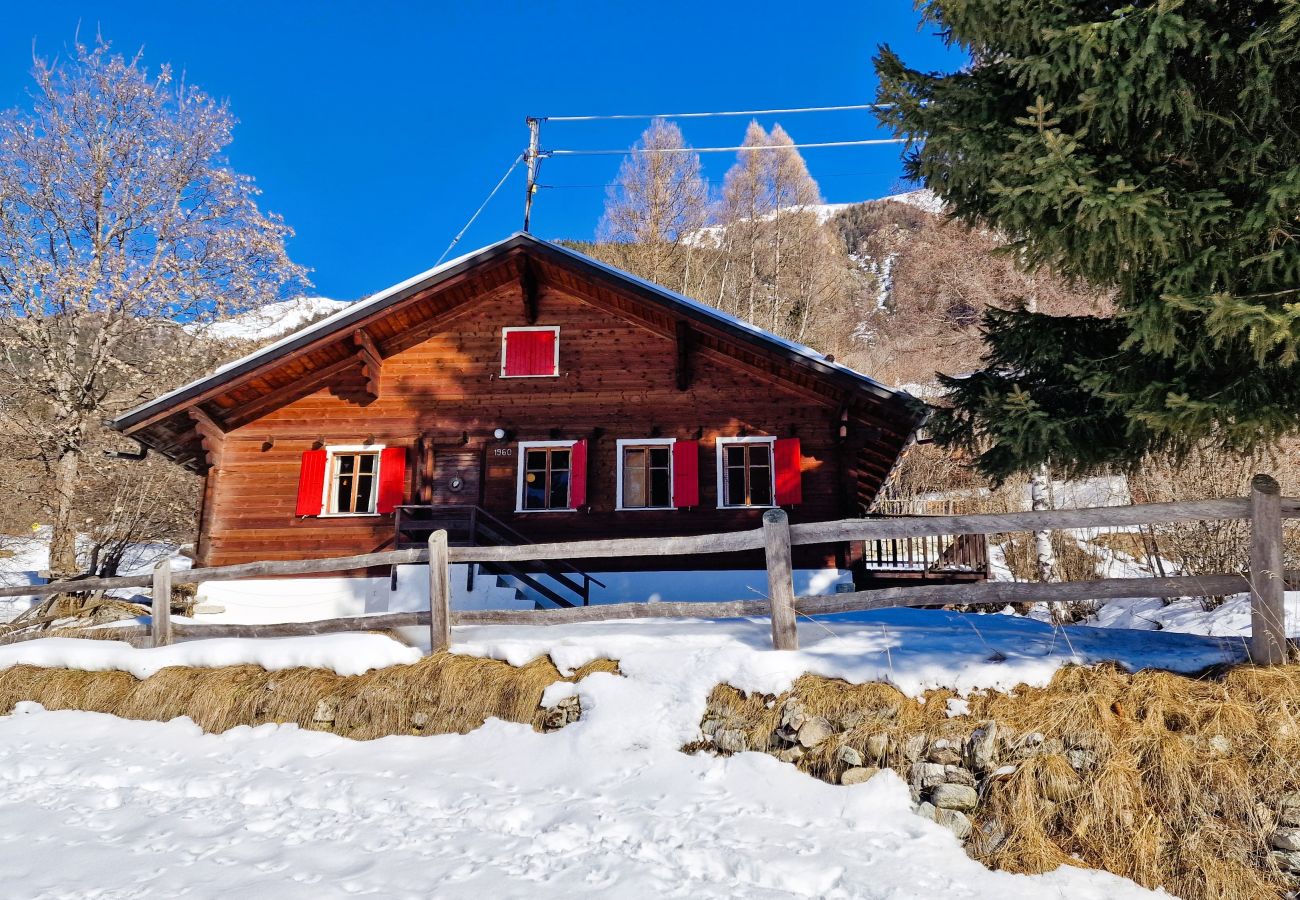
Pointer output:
532, 352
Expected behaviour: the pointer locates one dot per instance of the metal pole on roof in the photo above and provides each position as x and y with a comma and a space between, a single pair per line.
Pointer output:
532, 157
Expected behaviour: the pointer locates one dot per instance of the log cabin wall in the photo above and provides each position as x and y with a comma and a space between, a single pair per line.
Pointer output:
617, 379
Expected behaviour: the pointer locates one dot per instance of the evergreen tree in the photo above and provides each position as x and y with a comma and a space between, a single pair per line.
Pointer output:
1147, 147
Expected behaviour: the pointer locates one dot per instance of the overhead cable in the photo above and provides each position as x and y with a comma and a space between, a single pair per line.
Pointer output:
625, 151
461, 233
742, 112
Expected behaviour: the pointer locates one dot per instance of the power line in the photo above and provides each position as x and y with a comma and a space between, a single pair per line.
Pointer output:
627, 150
701, 115
461, 233
609, 184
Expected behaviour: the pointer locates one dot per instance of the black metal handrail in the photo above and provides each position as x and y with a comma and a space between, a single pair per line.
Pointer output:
469, 525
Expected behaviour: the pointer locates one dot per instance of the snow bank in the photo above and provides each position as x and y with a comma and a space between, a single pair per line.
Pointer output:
346, 654
1231, 619
913, 649
92, 805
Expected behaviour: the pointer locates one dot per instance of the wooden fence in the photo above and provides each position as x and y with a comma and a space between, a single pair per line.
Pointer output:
1265, 508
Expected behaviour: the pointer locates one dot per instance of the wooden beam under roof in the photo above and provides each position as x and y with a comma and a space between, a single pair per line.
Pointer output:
529, 288
372, 361
211, 435
685, 341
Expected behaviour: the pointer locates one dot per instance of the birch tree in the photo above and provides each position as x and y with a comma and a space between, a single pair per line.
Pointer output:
123, 228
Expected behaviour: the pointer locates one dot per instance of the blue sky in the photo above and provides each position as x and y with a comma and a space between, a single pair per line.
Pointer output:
376, 130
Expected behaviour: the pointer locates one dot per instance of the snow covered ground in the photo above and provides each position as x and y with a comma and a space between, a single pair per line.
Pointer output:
609, 807
96, 806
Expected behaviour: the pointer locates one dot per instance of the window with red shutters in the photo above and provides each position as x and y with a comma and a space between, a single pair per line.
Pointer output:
789, 474
311, 483
530, 352
392, 479
686, 473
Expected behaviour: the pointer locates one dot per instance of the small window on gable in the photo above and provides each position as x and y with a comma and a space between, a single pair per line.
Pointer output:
353, 482
532, 352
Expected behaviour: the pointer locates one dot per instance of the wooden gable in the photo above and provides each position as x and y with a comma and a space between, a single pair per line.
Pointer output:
348, 358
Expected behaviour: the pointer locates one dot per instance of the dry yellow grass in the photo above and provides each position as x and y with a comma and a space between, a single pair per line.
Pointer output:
440, 694
1179, 783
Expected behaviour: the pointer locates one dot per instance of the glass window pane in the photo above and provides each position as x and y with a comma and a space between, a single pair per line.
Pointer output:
364, 487
559, 459
760, 485
343, 496
367, 461
559, 490
536, 460
634, 487
346, 464
660, 489
534, 491
735, 485
760, 454
736, 454
659, 456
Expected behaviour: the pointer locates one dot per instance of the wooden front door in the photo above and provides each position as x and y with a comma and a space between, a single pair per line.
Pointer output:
451, 475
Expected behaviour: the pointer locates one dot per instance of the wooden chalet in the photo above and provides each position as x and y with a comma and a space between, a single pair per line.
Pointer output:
526, 392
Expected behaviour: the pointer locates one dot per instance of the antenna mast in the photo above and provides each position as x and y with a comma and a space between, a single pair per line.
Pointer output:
532, 156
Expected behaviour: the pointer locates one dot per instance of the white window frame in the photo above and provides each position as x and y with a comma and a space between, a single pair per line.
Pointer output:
509, 329
645, 442
720, 452
521, 469
327, 494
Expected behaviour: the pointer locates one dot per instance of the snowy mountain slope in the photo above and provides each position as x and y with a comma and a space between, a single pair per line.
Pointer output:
274, 319
923, 199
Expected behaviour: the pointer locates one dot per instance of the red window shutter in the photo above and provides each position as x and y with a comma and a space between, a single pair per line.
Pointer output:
530, 353
686, 473
578, 475
392, 479
789, 480
311, 483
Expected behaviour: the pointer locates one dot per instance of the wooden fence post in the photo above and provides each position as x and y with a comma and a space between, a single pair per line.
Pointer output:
780, 579
439, 593
1267, 586
161, 618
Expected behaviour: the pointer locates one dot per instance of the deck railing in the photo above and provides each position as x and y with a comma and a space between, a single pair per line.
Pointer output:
1265, 509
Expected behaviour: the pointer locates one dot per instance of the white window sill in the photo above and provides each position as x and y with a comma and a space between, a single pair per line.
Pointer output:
504, 376
750, 506
531, 511
369, 515
644, 508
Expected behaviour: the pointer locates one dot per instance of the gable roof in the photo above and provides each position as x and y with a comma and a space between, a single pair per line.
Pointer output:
344, 319
140, 422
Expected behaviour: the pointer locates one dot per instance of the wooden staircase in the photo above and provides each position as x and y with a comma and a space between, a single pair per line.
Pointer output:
472, 526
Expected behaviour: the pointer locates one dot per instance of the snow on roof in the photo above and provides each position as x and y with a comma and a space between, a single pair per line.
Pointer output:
358, 310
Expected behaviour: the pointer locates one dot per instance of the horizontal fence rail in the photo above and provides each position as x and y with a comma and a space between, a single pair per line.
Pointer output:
1265, 508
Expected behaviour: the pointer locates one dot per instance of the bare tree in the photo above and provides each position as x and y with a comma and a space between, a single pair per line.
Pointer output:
656, 206
122, 228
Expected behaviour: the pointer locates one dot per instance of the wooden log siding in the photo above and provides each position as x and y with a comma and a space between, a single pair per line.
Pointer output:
447, 388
